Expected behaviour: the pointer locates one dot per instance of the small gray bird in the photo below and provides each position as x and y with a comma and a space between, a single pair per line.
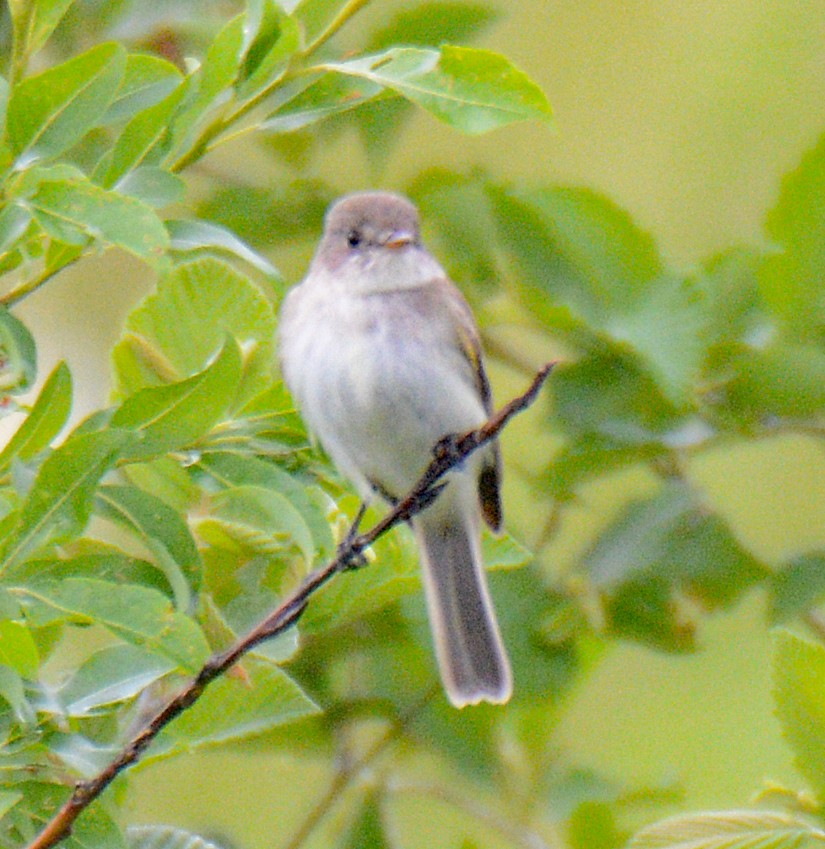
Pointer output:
381, 352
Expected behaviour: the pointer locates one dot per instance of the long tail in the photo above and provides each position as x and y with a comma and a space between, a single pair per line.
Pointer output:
470, 653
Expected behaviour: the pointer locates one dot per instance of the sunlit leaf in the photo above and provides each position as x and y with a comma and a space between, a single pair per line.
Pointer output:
52, 111
472, 90
191, 235
173, 332
232, 709
44, 421
730, 830
138, 615
60, 500
790, 279
799, 684
113, 674
18, 649
47, 15
146, 81
162, 529
153, 186
174, 415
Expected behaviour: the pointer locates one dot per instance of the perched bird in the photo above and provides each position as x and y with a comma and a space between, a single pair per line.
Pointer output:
381, 352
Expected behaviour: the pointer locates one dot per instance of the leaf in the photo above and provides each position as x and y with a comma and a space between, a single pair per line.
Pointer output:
144, 138
18, 650
166, 837
139, 615
113, 674
191, 235
315, 16
790, 280
153, 186
44, 421
13, 693
232, 709
51, 112
47, 15
783, 379
233, 471
18, 354
663, 544
146, 81
308, 102
59, 503
798, 586
175, 415
276, 40
174, 331
79, 209
473, 90
581, 257
254, 519
729, 830
164, 532
799, 684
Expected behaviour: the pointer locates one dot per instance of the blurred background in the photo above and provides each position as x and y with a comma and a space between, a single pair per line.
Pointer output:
688, 116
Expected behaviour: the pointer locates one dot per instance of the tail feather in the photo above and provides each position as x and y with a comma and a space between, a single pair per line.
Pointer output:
470, 653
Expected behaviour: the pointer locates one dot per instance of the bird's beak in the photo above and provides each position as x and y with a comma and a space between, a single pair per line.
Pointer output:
398, 238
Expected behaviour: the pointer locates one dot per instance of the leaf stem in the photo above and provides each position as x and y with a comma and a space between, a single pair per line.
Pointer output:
25, 289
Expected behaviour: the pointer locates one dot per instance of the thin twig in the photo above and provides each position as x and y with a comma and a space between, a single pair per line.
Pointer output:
349, 772
448, 454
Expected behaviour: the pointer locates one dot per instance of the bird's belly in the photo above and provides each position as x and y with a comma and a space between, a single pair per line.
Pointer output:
381, 400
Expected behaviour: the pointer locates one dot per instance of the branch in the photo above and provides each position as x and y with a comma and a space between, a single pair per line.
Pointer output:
449, 453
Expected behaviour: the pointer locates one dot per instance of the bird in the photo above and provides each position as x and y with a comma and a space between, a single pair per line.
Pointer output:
383, 357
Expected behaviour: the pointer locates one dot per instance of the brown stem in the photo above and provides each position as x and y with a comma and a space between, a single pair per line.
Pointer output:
448, 453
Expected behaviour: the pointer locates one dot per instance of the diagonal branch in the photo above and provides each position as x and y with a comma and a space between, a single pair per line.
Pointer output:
449, 453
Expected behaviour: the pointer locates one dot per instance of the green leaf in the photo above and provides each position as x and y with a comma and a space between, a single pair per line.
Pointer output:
791, 279
13, 693
18, 354
234, 471
162, 530
473, 90
611, 398
660, 545
276, 39
799, 685
72, 211
44, 421
153, 186
59, 503
190, 235
146, 81
144, 138
51, 112
18, 649
139, 615
113, 674
783, 379
174, 331
166, 837
173, 416
798, 586
730, 830
308, 102
47, 15
315, 16
8, 799
578, 249
232, 709
257, 520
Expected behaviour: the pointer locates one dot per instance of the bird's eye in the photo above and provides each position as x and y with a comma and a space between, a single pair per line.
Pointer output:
353, 238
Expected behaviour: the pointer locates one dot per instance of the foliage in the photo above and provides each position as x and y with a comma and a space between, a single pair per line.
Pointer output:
172, 521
